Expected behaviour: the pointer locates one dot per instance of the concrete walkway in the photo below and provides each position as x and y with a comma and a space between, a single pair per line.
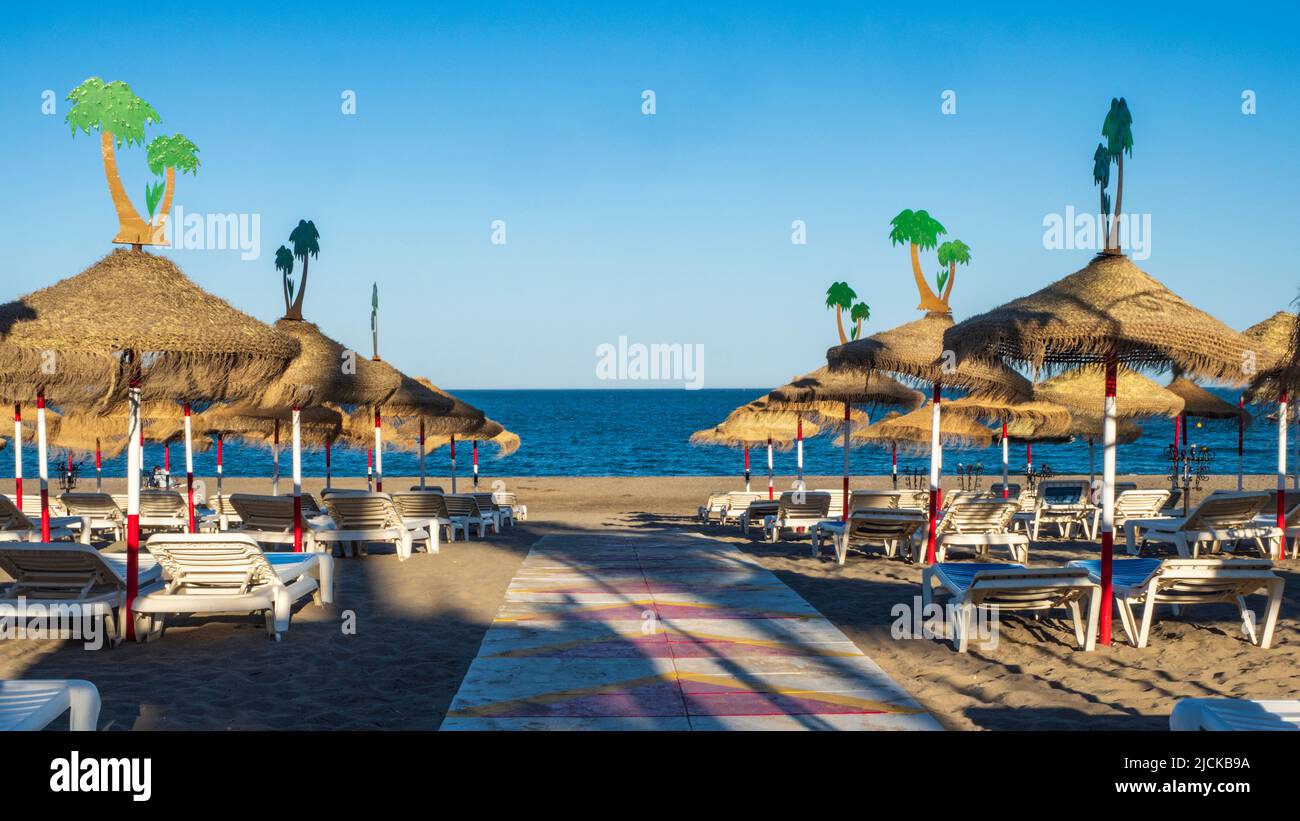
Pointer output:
624, 631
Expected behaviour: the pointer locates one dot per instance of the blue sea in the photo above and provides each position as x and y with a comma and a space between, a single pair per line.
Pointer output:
628, 432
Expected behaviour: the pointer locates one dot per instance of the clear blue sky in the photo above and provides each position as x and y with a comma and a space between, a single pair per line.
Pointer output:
666, 228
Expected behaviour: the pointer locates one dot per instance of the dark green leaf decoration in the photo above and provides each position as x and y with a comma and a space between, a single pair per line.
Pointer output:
859, 313
175, 151
110, 107
941, 279
1101, 166
954, 251
840, 295
916, 228
305, 240
374, 308
284, 264
1118, 128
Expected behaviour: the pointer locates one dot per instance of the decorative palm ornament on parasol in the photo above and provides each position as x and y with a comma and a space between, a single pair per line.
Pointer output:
915, 351
1110, 313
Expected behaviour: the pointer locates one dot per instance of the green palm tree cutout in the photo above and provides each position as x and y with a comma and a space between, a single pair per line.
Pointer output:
859, 313
374, 320
840, 297
951, 254
1101, 179
284, 264
1118, 131
120, 117
304, 240
921, 232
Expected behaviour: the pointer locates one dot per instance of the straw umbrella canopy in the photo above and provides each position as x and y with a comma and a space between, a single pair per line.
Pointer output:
130, 326
1045, 416
1078, 391
757, 423
1273, 334
1108, 313
327, 371
911, 432
1079, 427
490, 431
1201, 404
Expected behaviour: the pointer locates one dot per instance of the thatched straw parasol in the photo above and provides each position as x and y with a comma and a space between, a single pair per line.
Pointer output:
1043, 416
259, 425
910, 432
916, 352
490, 432
1080, 389
132, 325
757, 423
850, 388
1273, 334
1108, 313
327, 371
1200, 403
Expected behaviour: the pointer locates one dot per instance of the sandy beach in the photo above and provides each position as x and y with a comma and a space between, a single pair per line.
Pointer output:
419, 625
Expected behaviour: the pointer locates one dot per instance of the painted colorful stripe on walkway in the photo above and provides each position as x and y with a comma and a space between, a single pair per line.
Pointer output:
667, 632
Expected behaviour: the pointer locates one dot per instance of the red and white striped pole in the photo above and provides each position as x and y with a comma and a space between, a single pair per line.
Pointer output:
771, 481
1029, 457
848, 431
747, 468
275, 458
379, 453
167, 464
18, 455
42, 457
1108, 498
893, 459
297, 479
1006, 459
476, 464
453, 463
329, 467
189, 467
1178, 459
1241, 440
936, 503
99, 468
1281, 460
221, 442
799, 451
421, 453
370, 468
134, 462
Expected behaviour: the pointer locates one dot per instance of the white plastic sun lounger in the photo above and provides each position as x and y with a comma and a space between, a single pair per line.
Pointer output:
977, 523
797, 511
488, 506
1013, 587
34, 704
883, 526
465, 510
17, 526
510, 501
269, 519
229, 573
427, 510
361, 518
65, 573
1146, 583
1239, 714
735, 505
1220, 517
1063, 503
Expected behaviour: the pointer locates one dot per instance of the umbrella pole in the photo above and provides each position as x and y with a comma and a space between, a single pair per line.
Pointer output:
476, 464
799, 455
935, 492
848, 429
134, 463
1029, 458
1006, 466
1092, 461
1241, 437
297, 479
1281, 460
379, 453
221, 442
189, 467
370, 469
275, 458
167, 464
893, 459
421, 453
329, 458
99, 468
42, 456
770, 483
746, 468
1173, 475
1108, 497
453, 464
18, 455
1295, 477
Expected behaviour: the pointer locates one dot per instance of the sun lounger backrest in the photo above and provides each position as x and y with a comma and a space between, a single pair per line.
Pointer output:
427, 489
421, 505
1190, 580
867, 523
505, 499
914, 499
1027, 587
363, 511
95, 505
257, 512
1056, 494
873, 500
1140, 504
459, 505
32, 505
486, 501
217, 562
161, 503
1224, 510
11, 518
56, 570
1013, 490
813, 504
978, 516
